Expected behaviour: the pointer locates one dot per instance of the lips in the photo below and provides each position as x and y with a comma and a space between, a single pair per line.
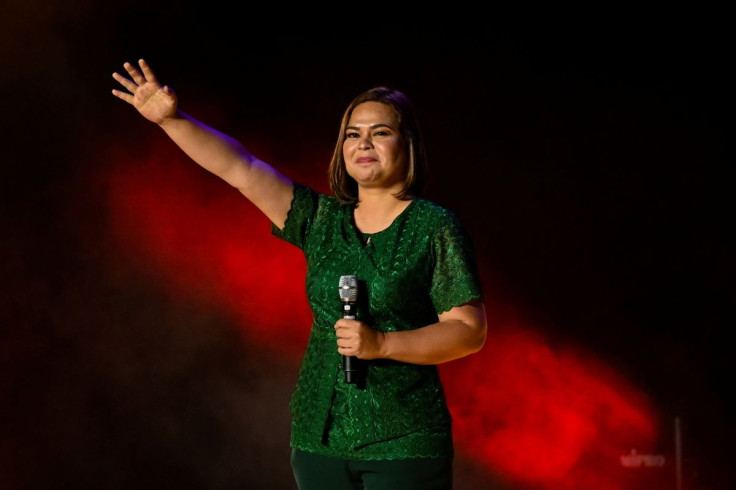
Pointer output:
365, 160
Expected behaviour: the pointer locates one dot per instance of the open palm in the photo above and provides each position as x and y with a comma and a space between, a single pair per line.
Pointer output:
144, 92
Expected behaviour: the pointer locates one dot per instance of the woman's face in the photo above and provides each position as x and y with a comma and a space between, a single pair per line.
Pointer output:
374, 151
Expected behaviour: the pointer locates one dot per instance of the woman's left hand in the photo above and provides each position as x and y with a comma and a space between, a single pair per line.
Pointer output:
355, 338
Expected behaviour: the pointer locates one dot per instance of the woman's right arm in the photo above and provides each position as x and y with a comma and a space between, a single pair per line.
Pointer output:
216, 152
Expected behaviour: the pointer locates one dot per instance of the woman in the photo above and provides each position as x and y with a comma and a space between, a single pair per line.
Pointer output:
419, 300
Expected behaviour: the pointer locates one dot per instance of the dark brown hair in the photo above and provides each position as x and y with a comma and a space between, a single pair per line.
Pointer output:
343, 186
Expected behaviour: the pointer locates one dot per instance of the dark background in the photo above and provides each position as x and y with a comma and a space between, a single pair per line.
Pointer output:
589, 152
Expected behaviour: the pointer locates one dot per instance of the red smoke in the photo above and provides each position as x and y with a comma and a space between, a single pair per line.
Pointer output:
552, 420
527, 413
211, 245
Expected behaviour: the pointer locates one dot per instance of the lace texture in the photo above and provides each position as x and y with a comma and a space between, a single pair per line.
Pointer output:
420, 265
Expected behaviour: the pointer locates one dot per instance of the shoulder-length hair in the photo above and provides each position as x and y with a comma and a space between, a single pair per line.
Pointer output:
344, 187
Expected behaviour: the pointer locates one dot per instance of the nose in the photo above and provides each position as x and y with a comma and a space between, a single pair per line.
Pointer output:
365, 143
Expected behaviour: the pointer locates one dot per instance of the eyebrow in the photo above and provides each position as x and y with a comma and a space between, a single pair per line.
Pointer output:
379, 125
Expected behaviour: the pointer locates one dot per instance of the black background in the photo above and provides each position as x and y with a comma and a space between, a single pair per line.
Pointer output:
588, 150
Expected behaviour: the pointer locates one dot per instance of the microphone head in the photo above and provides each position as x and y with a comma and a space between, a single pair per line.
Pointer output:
348, 288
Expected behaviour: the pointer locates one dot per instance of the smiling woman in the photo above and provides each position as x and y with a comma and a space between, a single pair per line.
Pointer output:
376, 160
373, 151
420, 300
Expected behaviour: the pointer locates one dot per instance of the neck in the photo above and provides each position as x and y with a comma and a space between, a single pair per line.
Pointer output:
376, 211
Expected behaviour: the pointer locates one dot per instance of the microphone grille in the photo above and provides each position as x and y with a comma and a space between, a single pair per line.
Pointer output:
348, 288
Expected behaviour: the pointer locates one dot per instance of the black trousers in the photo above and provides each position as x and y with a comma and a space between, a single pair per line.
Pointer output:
317, 472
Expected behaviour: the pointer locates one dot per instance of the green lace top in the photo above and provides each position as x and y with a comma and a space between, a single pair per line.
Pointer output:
420, 265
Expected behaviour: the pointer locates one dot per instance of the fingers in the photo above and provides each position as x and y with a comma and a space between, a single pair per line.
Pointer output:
353, 338
123, 95
125, 82
145, 75
345, 328
136, 75
127, 97
147, 72
346, 335
139, 77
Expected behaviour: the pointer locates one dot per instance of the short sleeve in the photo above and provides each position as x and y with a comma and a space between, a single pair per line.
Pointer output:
455, 279
300, 217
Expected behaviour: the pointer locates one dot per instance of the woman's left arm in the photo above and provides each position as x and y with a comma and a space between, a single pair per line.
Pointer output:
459, 332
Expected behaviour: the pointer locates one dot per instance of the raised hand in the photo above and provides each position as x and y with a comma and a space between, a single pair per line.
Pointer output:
154, 101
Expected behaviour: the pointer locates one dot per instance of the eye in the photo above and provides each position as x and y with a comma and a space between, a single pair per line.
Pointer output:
351, 134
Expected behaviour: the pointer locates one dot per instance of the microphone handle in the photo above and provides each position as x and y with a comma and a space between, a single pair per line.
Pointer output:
350, 363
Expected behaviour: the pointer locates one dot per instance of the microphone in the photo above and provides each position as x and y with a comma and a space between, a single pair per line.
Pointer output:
349, 296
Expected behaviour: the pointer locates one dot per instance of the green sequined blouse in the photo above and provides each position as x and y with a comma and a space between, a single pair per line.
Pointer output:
420, 265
